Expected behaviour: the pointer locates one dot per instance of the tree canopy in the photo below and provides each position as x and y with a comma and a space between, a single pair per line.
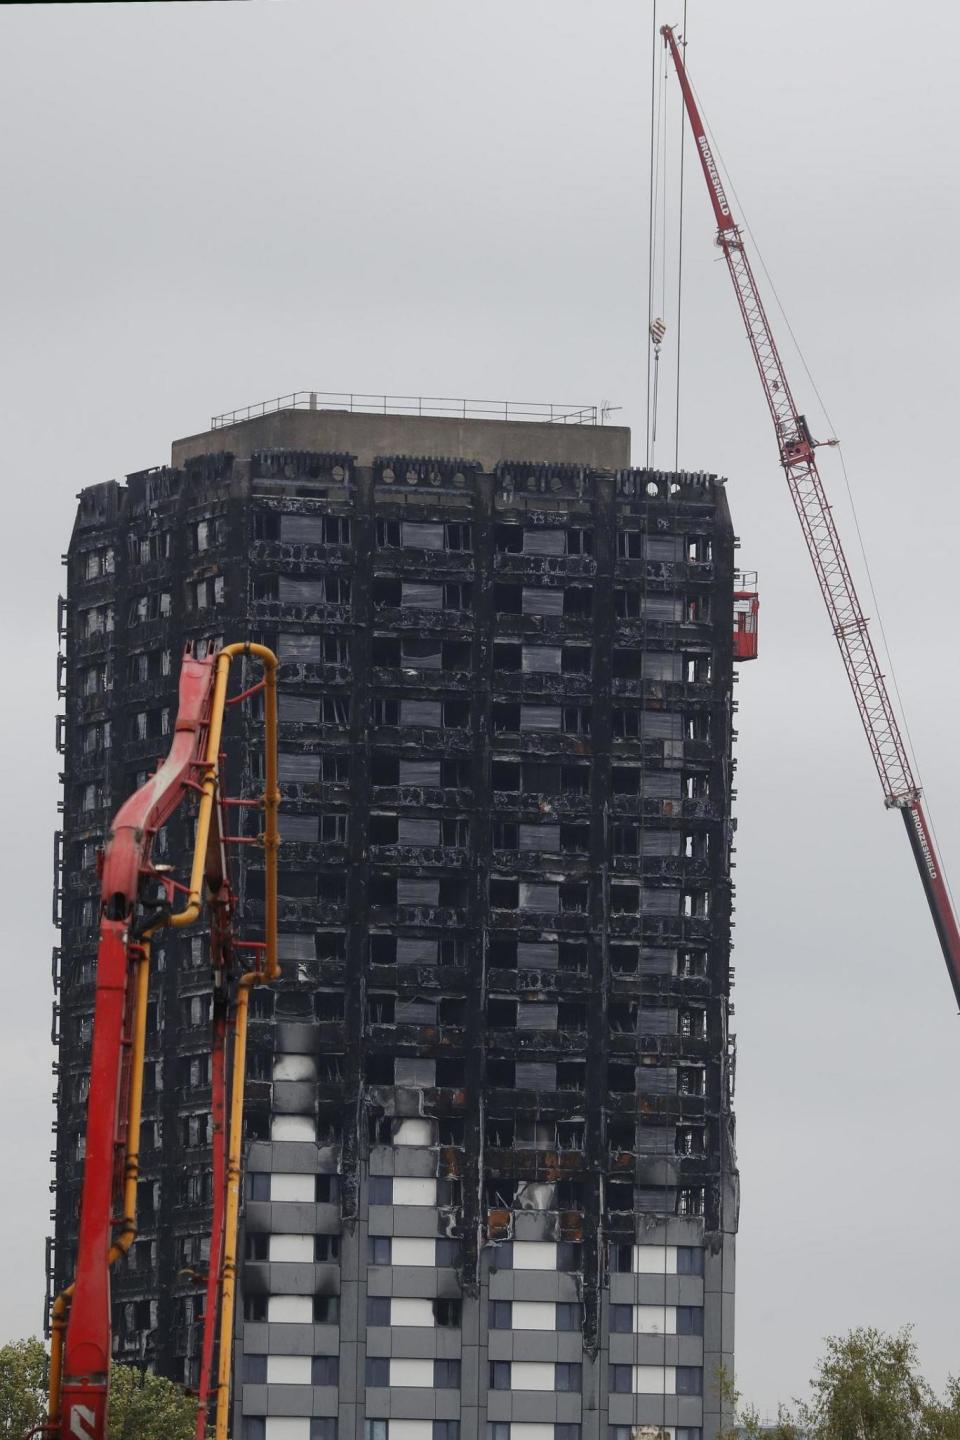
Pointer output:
23, 1375
142, 1406
147, 1407
867, 1386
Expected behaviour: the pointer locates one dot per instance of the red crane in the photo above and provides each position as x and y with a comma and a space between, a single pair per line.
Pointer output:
798, 458
136, 902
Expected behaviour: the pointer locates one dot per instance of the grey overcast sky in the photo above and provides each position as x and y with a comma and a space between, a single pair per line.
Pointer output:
208, 204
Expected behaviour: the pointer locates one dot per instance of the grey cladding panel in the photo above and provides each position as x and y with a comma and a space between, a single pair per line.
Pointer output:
663, 547
661, 725
535, 896
657, 962
539, 1015
301, 592
656, 1140
302, 828
417, 892
661, 785
418, 596
658, 1022
421, 712
540, 601
298, 769
662, 607
544, 542
539, 717
419, 772
662, 665
660, 842
304, 709
416, 1012
540, 837
414, 831
302, 529
420, 535
307, 648
415, 1071
296, 947
660, 902
536, 1075
422, 654
417, 952
656, 1199
541, 659
537, 955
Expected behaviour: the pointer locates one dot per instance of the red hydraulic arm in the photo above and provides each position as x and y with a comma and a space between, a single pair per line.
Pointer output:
136, 901
849, 624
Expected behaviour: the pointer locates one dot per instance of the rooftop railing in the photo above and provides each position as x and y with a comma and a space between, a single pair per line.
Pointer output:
430, 405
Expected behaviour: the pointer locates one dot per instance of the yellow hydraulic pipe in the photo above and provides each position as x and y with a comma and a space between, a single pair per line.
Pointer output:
231, 1216
131, 1169
58, 1330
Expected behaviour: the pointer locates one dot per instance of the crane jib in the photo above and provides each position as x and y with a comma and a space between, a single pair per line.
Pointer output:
837, 587
713, 174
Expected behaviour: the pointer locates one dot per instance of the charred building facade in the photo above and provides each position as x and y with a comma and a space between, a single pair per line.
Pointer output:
490, 1188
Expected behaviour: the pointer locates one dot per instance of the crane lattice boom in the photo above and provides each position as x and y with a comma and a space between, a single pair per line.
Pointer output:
848, 622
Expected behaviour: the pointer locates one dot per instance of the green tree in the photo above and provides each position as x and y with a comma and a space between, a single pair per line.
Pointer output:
868, 1386
942, 1419
23, 1374
142, 1407
147, 1407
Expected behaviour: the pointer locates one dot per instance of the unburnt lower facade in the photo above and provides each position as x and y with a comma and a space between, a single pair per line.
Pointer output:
490, 1185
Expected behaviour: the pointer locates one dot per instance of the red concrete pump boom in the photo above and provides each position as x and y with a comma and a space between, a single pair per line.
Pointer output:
797, 456
136, 901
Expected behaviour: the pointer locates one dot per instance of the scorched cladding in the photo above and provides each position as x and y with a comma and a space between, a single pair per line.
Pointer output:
490, 1178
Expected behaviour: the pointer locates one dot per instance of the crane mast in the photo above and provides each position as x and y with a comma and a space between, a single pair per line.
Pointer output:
849, 623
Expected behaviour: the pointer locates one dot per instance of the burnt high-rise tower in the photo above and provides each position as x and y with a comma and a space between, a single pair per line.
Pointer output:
490, 1186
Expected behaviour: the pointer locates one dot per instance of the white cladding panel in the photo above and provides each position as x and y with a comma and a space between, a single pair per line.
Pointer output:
654, 1380
408, 1251
654, 1320
534, 1315
534, 1255
292, 1187
294, 1067
418, 1313
298, 1248
411, 1430
414, 1132
655, 1259
293, 1127
531, 1375
288, 1369
290, 1309
286, 1427
411, 1191
418, 1373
